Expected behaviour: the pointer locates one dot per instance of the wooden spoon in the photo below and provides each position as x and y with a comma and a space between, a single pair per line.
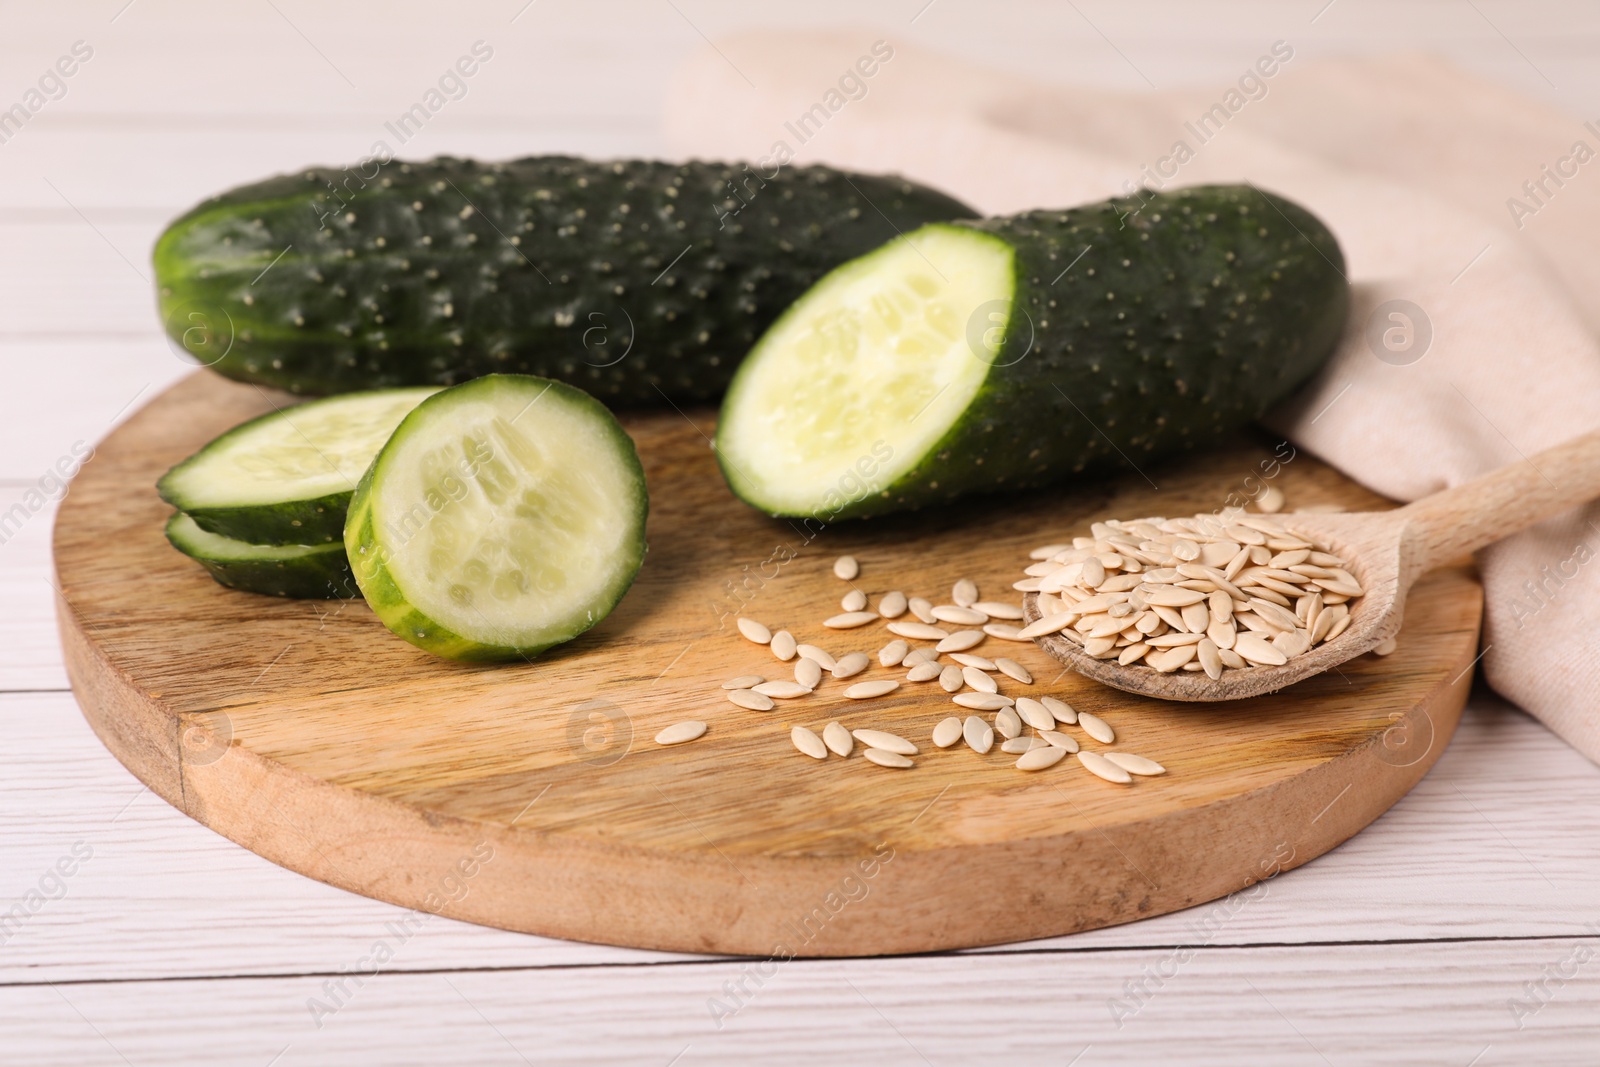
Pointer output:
1387, 551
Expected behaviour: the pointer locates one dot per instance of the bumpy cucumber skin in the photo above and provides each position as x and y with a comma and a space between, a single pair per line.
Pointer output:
1191, 314
384, 595
320, 575
293, 522
417, 280
313, 521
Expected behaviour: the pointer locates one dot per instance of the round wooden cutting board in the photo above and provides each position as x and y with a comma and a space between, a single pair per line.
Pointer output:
533, 797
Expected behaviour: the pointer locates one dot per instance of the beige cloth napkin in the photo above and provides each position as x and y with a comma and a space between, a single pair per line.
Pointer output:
1416, 166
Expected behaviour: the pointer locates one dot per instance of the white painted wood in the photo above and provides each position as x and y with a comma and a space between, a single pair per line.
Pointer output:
1478, 882
1427, 1004
64, 390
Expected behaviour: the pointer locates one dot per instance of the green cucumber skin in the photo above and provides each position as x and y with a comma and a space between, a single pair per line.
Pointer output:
293, 522
383, 594
1224, 299
359, 301
312, 521
316, 576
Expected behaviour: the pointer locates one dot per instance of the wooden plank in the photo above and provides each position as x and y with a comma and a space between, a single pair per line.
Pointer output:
1425, 1004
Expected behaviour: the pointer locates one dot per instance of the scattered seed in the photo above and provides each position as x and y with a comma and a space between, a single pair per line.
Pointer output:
1101, 767
982, 701
1008, 723
947, 732
1096, 727
1012, 669
783, 645
893, 654
888, 759
1385, 647
921, 608
960, 641
808, 742
1003, 632
998, 609
967, 659
951, 679
851, 665
679, 732
744, 681
1015, 745
850, 620
846, 568
924, 672
838, 739
1035, 714
978, 734
823, 657
1060, 709
964, 593
978, 680
960, 616
1060, 740
892, 605
868, 690
1271, 500
886, 741
754, 631
1135, 764
807, 673
919, 655
752, 700
919, 631
782, 690
1037, 759
854, 600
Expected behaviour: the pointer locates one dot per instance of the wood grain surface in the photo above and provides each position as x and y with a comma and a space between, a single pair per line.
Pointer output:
531, 797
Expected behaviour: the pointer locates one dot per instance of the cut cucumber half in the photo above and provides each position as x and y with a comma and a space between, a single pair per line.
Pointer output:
307, 572
1015, 352
505, 515
286, 478
864, 374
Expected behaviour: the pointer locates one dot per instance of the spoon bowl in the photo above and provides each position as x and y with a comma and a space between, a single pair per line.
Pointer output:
1387, 552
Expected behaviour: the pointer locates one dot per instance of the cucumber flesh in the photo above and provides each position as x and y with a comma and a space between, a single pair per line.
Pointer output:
865, 373
286, 477
308, 572
504, 516
1016, 352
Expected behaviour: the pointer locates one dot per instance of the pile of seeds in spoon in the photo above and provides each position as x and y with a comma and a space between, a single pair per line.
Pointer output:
950, 666
1225, 591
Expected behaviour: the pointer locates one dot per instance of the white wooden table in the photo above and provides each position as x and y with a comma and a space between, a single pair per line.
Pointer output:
1457, 930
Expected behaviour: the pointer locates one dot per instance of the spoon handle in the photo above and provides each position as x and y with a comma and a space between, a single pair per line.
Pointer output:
1463, 519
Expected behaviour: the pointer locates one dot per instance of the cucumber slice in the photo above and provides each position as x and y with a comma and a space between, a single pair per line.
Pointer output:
1015, 352
308, 572
504, 516
286, 478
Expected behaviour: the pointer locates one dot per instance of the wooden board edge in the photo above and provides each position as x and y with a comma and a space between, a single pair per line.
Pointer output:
881, 904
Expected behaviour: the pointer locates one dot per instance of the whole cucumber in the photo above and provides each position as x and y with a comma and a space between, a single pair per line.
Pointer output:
1016, 352
638, 281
